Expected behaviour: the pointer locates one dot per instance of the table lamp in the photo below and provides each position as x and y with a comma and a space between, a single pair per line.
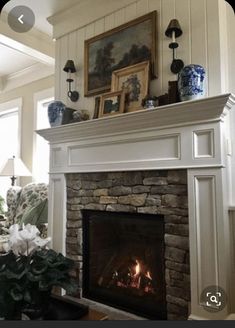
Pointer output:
14, 167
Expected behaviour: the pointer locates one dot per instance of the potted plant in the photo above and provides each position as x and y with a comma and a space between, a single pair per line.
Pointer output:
28, 272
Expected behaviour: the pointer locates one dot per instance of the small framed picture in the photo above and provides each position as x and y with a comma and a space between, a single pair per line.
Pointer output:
134, 81
112, 103
97, 107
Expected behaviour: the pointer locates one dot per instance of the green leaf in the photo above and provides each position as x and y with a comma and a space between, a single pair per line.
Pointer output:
16, 293
33, 277
27, 296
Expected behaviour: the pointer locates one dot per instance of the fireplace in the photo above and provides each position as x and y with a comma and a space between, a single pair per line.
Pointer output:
194, 136
124, 261
144, 212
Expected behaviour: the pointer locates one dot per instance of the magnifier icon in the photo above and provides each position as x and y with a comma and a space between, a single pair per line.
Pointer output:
213, 299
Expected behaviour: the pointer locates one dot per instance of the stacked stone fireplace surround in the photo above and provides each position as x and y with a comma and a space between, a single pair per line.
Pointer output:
150, 192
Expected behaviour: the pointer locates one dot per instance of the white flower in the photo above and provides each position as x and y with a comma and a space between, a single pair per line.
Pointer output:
29, 232
26, 240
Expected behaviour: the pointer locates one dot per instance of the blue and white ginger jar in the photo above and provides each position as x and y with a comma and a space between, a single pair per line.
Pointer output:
55, 113
191, 82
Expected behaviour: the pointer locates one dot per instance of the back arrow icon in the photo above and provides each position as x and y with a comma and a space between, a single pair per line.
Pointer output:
20, 19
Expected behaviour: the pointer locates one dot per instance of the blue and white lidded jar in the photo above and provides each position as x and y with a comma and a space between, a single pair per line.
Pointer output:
55, 112
191, 82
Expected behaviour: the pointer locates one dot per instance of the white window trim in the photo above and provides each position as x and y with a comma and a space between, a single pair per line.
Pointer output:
39, 96
6, 107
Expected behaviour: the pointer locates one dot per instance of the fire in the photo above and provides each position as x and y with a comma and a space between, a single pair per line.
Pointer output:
149, 276
137, 268
137, 276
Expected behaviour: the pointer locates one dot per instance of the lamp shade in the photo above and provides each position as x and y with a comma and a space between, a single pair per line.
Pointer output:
69, 66
174, 26
15, 167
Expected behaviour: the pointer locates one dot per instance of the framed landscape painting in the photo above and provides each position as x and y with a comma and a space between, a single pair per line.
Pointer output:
134, 81
123, 46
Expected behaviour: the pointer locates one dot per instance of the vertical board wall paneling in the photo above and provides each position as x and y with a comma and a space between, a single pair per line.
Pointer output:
142, 7
57, 69
198, 35
80, 64
120, 17
89, 33
182, 13
109, 22
213, 39
99, 26
199, 44
156, 85
63, 59
72, 46
167, 15
131, 11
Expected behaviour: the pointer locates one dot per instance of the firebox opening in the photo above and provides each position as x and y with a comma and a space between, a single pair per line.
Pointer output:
123, 258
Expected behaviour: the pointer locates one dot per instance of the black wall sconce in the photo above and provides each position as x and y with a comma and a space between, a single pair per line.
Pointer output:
174, 31
70, 68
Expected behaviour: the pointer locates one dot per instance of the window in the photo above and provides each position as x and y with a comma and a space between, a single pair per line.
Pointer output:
41, 147
9, 142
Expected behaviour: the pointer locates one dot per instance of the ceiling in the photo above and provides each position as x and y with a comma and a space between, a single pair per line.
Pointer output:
14, 61
42, 9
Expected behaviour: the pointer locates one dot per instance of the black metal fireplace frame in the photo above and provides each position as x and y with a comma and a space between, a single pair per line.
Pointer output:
86, 263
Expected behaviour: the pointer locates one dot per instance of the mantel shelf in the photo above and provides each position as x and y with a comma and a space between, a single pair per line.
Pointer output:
174, 115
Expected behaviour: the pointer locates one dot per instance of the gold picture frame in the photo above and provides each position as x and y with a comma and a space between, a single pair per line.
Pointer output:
125, 45
112, 103
134, 81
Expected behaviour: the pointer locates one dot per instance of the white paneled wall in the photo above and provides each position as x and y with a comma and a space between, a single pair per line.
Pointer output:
199, 44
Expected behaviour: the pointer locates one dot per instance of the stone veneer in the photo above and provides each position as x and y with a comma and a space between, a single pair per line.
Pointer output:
152, 192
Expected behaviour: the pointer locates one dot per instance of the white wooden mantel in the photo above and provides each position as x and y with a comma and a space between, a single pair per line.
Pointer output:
195, 135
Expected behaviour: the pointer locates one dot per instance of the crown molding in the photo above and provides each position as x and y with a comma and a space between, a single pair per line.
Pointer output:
76, 16
33, 43
28, 75
205, 110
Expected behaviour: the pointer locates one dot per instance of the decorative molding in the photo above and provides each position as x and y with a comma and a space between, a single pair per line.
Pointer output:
203, 143
67, 21
35, 43
210, 239
162, 138
211, 109
30, 74
205, 220
57, 227
57, 158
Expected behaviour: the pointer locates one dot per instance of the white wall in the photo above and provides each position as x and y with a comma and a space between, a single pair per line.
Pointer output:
230, 19
204, 41
27, 92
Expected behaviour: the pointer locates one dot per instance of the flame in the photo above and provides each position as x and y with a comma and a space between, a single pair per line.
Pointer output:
148, 275
137, 268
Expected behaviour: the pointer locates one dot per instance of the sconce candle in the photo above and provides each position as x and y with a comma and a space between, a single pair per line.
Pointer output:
173, 31
69, 69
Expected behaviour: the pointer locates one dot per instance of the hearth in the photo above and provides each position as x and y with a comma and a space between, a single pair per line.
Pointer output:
124, 261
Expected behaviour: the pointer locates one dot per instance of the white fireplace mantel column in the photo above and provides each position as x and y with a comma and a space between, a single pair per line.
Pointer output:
195, 135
